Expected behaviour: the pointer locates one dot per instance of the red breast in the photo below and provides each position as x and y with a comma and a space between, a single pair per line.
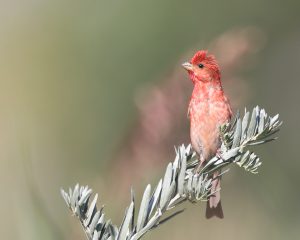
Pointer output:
208, 109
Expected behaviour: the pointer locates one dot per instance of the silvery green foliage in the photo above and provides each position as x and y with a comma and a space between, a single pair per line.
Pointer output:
180, 182
253, 129
176, 186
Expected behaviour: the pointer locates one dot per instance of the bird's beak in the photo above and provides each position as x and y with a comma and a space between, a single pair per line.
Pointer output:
187, 66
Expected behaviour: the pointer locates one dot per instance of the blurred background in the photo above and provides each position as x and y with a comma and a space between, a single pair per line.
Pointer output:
93, 92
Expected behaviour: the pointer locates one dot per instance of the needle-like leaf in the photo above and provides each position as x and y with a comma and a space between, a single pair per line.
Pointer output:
180, 182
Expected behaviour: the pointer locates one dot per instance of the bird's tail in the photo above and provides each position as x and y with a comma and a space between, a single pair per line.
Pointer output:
214, 207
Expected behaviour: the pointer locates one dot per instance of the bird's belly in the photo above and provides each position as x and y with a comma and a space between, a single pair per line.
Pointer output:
205, 137
204, 131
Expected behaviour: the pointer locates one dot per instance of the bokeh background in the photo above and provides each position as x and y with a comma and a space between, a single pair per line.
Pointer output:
93, 92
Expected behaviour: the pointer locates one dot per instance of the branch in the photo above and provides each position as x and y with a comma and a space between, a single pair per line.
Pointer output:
179, 183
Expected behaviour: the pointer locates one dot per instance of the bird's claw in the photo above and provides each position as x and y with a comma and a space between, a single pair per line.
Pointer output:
219, 154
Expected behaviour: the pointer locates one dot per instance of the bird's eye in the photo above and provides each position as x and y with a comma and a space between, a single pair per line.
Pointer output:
200, 65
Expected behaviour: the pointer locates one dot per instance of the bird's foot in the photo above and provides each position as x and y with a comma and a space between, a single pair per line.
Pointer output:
219, 154
200, 165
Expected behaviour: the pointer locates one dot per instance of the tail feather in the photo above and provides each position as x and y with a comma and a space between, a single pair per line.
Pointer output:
214, 211
214, 207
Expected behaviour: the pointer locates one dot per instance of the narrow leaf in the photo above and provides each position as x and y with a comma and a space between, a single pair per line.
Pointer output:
143, 208
252, 124
245, 124
155, 197
94, 221
237, 134
181, 176
166, 185
92, 209
124, 229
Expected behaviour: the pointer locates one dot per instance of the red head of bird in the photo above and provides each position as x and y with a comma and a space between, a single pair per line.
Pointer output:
203, 68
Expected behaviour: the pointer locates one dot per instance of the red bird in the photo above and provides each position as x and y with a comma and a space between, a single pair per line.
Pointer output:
208, 109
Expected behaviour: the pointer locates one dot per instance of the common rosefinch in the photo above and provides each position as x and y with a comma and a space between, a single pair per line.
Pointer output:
208, 110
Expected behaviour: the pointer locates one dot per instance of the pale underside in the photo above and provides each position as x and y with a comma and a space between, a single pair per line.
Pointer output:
207, 114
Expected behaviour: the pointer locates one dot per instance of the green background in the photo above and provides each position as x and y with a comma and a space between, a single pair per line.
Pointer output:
69, 73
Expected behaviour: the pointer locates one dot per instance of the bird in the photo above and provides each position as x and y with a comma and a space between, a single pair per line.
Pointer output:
208, 109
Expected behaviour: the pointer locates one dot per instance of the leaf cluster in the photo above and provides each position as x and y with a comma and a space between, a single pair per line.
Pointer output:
180, 182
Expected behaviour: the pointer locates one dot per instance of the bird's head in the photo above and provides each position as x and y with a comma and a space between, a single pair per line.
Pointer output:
203, 68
